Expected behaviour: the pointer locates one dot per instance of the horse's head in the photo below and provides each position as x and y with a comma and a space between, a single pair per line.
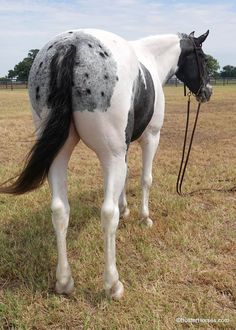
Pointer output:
192, 66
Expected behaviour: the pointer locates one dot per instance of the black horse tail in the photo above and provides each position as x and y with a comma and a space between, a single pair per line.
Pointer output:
56, 128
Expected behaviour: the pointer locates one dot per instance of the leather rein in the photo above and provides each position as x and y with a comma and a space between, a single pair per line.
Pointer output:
185, 159
183, 164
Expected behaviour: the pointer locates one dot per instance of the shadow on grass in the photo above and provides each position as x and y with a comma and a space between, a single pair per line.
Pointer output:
28, 253
94, 299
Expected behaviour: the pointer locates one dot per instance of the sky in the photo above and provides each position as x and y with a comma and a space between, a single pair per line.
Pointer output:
26, 25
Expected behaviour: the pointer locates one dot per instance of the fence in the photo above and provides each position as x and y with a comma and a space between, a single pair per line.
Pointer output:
213, 81
223, 81
8, 84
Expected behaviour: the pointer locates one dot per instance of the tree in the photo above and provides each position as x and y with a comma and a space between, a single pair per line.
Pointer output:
11, 74
4, 79
21, 70
32, 54
228, 71
213, 66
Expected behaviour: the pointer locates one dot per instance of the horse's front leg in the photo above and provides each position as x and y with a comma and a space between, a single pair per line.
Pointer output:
149, 144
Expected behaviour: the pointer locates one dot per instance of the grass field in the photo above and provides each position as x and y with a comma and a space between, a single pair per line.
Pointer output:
184, 266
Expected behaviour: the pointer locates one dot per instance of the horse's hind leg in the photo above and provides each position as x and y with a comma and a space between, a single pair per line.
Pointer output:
114, 169
123, 206
57, 179
149, 144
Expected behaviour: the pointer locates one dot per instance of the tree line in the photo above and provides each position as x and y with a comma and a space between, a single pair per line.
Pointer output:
21, 70
228, 71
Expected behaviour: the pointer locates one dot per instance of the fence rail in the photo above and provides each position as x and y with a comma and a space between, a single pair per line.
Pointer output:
223, 81
213, 81
8, 84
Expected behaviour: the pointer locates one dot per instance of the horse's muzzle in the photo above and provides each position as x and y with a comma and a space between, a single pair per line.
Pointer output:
205, 94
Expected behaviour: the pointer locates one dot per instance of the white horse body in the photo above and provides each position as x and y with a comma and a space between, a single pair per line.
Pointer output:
106, 138
109, 74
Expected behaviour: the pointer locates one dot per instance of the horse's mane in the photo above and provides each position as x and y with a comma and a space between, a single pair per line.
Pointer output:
183, 35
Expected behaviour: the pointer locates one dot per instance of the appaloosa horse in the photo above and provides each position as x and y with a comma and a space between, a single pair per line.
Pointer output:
95, 86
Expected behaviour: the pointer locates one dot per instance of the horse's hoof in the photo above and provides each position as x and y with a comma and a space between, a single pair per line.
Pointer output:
65, 287
147, 222
116, 292
126, 213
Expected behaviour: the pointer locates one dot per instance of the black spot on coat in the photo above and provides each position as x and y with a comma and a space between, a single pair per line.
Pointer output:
142, 109
37, 93
129, 128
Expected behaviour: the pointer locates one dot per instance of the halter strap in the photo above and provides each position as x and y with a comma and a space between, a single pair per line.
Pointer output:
196, 48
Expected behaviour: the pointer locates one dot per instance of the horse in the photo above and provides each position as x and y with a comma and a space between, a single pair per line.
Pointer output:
95, 86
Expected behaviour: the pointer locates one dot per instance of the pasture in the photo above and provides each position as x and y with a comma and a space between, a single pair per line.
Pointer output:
184, 266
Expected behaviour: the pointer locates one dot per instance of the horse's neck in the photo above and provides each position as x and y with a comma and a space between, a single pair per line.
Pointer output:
165, 49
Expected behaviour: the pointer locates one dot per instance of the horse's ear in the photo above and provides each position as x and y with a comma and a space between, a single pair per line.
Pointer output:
192, 34
203, 37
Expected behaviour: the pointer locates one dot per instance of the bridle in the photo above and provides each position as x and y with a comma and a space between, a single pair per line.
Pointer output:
184, 160
200, 67
183, 164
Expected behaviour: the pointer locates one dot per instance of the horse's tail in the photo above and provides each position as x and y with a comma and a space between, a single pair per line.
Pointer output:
56, 127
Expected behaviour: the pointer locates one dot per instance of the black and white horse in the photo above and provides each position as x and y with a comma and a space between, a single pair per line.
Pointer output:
95, 86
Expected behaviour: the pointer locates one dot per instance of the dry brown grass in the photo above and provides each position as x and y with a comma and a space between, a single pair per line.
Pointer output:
183, 267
